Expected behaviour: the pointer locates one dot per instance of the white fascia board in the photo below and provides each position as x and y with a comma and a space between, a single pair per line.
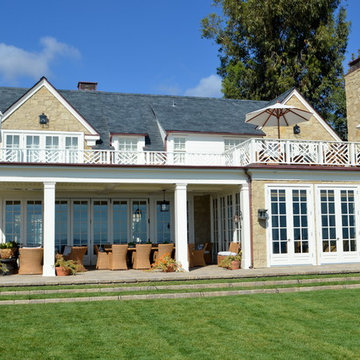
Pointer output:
308, 107
44, 83
121, 175
316, 175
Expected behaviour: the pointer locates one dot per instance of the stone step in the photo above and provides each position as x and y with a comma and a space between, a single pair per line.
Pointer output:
182, 295
180, 287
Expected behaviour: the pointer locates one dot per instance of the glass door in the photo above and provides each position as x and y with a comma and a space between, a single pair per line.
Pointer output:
290, 228
80, 226
338, 242
32, 148
52, 153
13, 152
139, 221
100, 224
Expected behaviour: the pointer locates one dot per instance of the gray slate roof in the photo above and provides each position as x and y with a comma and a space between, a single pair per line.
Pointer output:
138, 114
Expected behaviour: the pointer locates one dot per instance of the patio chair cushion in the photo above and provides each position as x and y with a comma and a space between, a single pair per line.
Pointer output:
226, 253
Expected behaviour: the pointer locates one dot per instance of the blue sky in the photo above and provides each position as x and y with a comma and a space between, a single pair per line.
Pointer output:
136, 46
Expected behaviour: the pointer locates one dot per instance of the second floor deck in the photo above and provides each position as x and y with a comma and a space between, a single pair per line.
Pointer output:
252, 151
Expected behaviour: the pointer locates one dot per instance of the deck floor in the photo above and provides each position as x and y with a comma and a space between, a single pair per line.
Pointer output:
207, 272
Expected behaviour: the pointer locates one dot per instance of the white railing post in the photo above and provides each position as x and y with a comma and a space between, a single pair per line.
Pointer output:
320, 152
351, 152
252, 150
287, 157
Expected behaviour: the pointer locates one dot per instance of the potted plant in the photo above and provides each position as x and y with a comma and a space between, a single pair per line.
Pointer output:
64, 267
8, 250
232, 262
166, 264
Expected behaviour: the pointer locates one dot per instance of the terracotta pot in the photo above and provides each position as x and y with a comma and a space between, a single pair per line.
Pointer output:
60, 271
235, 265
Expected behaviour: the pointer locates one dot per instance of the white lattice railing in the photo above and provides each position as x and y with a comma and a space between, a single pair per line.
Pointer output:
110, 157
252, 151
296, 152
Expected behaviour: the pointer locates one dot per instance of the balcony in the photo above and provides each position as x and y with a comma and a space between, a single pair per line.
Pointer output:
252, 151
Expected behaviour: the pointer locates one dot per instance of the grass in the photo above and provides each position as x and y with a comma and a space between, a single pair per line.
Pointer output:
315, 325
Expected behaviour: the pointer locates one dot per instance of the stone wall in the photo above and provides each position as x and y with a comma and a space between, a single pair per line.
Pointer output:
310, 130
352, 87
26, 117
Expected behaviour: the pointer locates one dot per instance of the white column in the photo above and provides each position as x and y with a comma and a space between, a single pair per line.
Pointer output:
49, 229
246, 226
180, 213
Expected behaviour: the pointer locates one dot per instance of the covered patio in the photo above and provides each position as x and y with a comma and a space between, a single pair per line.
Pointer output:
96, 207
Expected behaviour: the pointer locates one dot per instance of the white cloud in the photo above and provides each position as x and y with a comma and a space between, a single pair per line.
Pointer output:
16, 62
207, 87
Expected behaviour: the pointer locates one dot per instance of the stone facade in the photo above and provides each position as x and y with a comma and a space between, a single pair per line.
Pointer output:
310, 130
352, 88
26, 117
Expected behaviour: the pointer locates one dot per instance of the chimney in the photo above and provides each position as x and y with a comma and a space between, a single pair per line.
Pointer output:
86, 85
352, 90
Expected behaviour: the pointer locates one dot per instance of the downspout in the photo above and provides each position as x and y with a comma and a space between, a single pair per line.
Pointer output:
251, 218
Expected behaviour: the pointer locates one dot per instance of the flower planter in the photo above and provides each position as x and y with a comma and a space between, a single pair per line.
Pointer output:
235, 265
60, 271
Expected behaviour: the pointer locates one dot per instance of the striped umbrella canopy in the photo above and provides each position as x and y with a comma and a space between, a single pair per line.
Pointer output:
278, 115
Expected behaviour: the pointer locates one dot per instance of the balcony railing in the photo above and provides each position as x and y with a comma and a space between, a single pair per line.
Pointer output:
252, 151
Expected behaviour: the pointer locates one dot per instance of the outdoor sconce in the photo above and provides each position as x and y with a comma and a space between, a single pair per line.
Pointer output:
296, 129
164, 205
137, 215
262, 214
43, 119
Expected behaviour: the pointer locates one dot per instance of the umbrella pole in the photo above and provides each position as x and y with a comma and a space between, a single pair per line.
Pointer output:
278, 121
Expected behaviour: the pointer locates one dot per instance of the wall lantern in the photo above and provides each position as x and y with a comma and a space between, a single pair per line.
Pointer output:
43, 119
164, 205
137, 215
296, 129
262, 214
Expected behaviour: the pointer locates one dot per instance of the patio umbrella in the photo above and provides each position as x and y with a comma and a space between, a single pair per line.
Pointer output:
278, 115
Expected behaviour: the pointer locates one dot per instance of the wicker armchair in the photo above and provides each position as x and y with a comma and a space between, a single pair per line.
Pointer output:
102, 262
234, 249
141, 256
163, 250
77, 254
196, 256
117, 258
30, 260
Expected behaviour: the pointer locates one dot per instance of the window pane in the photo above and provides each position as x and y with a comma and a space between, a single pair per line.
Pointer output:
12, 221
34, 227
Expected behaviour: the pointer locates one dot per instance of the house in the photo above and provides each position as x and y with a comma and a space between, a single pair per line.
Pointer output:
86, 167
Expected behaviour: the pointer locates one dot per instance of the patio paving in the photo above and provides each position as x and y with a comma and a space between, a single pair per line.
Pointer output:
207, 272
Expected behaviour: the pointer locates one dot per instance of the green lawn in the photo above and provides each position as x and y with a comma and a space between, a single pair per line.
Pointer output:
315, 325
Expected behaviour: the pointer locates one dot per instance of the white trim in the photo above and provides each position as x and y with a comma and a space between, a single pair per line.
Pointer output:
315, 114
44, 83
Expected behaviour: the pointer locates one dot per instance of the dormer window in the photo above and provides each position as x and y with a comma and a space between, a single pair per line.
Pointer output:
127, 144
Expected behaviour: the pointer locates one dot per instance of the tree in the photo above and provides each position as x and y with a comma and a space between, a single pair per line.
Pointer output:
269, 46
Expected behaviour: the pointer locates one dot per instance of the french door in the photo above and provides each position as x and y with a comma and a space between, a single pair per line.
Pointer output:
338, 241
105, 221
290, 231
